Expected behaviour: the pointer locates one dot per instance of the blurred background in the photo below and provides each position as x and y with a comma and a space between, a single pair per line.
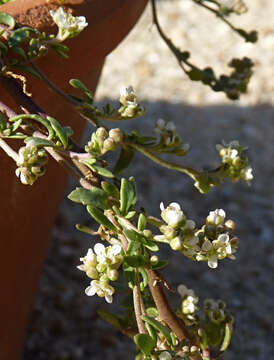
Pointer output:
64, 323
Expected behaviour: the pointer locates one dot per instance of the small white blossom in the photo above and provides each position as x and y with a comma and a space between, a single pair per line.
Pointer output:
165, 356
170, 126
248, 176
212, 262
102, 289
216, 217
184, 291
68, 25
172, 214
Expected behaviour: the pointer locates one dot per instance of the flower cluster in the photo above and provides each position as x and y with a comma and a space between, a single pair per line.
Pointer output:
210, 243
69, 25
101, 264
236, 6
103, 141
189, 300
129, 105
215, 310
31, 164
234, 163
169, 137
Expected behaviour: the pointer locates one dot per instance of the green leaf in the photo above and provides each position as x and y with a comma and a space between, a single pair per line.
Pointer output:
129, 275
39, 142
134, 236
109, 318
3, 48
110, 189
142, 221
8, 20
152, 312
100, 218
77, 84
133, 247
135, 261
85, 229
125, 158
144, 283
151, 245
145, 343
127, 195
158, 326
59, 131
95, 196
130, 215
28, 69
102, 171
227, 336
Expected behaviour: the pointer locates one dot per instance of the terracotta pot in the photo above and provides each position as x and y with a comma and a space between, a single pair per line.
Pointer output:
27, 213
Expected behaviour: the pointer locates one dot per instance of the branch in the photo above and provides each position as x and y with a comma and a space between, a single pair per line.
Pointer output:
172, 166
8, 150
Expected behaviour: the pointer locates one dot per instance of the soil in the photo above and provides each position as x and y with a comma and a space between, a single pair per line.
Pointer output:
64, 324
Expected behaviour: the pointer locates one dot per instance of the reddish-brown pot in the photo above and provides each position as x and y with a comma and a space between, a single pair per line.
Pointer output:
27, 213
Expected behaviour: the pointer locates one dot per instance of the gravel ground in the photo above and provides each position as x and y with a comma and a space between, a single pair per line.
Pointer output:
64, 324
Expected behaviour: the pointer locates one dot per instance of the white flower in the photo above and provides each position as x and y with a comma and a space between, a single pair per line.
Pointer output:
184, 291
212, 262
68, 24
248, 176
105, 255
172, 214
89, 260
160, 125
128, 97
189, 305
189, 225
216, 217
165, 356
102, 289
170, 126
222, 245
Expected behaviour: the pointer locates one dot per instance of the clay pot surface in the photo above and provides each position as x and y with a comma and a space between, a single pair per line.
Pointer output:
27, 213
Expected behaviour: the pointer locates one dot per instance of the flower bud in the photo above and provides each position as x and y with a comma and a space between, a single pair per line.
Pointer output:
230, 225
154, 260
112, 274
168, 231
92, 273
109, 144
176, 243
116, 135
101, 133
147, 233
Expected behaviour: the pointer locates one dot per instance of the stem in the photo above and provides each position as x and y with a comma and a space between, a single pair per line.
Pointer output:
26, 102
65, 96
138, 308
8, 150
172, 166
165, 312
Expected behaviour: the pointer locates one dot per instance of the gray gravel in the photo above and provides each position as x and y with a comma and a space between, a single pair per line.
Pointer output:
64, 324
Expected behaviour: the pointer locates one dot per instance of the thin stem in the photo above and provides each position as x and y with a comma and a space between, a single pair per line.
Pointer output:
216, 13
65, 96
68, 167
8, 150
172, 166
26, 102
137, 306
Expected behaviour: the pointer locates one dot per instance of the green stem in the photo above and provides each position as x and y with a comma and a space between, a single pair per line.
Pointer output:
169, 165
